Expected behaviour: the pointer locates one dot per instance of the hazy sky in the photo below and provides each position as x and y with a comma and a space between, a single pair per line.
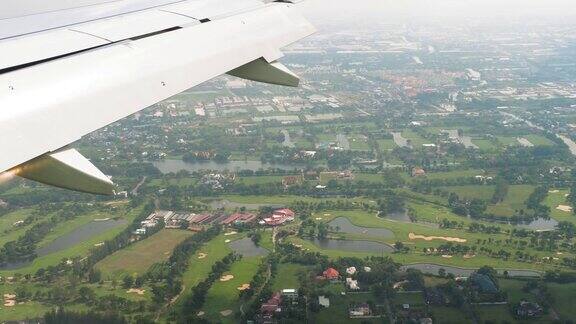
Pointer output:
363, 9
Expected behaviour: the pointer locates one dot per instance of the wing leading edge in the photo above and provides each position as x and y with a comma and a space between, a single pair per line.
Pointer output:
48, 102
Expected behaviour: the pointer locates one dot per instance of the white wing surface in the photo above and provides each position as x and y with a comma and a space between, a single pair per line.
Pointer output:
69, 72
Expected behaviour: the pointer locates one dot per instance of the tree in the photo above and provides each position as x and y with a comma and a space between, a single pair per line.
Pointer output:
127, 282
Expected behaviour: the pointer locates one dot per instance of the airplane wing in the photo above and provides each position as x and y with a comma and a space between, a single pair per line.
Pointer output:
65, 73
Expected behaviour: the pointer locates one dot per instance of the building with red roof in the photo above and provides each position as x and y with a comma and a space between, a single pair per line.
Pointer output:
239, 218
272, 305
279, 217
331, 274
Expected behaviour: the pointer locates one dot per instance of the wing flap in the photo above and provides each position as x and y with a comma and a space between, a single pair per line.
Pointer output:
212, 9
41, 46
128, 26
67, 169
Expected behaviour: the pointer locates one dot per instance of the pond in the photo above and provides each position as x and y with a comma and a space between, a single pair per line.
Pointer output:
346, 226
173, 166
80, 234
399, 217
352, 245
217, 204
247, 248
430, 268
540, 224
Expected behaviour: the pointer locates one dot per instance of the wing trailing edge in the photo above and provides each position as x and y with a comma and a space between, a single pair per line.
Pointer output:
67, 169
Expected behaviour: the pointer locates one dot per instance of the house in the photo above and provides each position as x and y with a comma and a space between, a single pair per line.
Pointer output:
279, 217
272, 305
289, 293
351, 270
352, 284
367, 269
483, 283
140, 231
528, 309
324, 301
359, 310
3, 204
418, 172
239, 218
291, 180
331, 274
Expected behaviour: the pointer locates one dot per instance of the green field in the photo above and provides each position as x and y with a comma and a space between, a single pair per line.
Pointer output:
287, 276
448, 315
338, 310
454, 174
416, 139
514, 201
138, 257
260, 179
563, 299
386, 144
223, 296
483, 192
539, 140
553, 200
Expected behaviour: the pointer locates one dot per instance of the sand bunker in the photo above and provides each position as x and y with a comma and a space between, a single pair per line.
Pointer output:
136, 291
244, 287
413, 236
226, 277
200, 313
227, 312
99, 244
318, 218
553, 191
446, 256
469, 256
564, 208
227, 241
230, 233
326, 214
9, 300
202, 255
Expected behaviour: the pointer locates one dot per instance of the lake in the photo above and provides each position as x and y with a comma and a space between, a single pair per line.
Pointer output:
347, 227
352, 245
430, 268
173, 166
80, 234
246, 247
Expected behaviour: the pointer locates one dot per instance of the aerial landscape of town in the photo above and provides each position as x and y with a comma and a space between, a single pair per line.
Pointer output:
421, 173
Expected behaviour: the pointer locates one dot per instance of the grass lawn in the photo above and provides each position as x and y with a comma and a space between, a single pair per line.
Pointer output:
513, 289
448, 315
563, 302
559, 198
7, 228
515, 199
260, 180
416, 139
138, 257
358, 142
484, 144
454, 174
494, 313
287, 276
386, 144
182, 182
483, 192
508, 140
338, 310
539, 140
412, 298
225, 295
